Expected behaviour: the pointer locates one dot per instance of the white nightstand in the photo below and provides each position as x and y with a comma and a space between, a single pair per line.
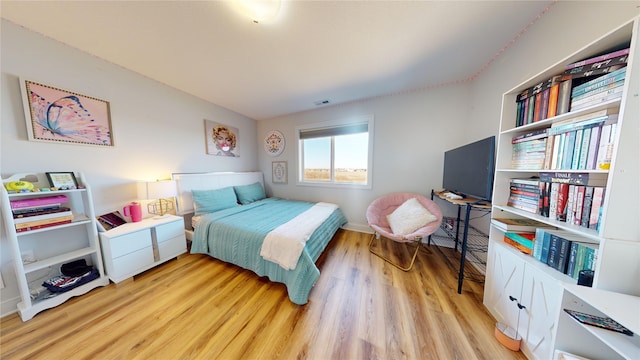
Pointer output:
133, 248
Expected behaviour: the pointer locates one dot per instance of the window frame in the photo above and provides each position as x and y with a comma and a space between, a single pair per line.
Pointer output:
367, 119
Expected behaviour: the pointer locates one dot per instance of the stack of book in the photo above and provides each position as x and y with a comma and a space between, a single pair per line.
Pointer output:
584, 83
38, 213
519, 233
529, 150
524, 194
564, 251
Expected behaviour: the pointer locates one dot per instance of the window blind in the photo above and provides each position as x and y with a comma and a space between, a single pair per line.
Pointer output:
334, 131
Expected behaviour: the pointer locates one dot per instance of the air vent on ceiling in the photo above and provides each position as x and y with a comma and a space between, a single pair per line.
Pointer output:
321, 102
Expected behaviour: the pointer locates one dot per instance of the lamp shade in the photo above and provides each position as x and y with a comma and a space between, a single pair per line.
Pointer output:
160, 189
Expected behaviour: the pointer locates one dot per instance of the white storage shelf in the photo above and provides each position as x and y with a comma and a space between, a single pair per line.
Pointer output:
135, 247
618, 237
50, 247
593, 342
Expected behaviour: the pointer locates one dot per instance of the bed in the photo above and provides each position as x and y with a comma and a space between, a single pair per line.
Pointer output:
249, 233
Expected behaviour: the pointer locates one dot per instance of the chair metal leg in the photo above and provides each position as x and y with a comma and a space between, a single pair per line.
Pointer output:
413, 258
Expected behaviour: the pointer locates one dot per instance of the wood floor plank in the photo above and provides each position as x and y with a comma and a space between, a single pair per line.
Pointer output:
197, 307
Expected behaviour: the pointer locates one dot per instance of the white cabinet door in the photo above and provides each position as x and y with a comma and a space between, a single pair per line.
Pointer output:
506, 272
541, 296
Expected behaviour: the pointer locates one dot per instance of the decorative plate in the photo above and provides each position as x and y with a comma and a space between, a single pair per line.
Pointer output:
274, 143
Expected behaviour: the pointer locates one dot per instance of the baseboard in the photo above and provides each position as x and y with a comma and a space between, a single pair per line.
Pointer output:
358, 227
9, 306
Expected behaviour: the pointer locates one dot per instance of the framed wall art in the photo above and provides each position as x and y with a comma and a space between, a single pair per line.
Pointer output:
221, 140
279, 172
274, 143
58, 115
62, 180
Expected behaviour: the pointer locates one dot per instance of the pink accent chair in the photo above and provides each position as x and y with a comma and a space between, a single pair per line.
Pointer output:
377, 218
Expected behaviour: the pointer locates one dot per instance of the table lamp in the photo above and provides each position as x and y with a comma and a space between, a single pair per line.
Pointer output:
162, 191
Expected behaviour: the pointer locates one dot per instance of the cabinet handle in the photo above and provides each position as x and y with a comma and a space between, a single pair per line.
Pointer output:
512, 298
520, 306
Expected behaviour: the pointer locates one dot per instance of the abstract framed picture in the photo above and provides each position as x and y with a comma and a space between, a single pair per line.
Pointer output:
62, 116
221, 140
279, 172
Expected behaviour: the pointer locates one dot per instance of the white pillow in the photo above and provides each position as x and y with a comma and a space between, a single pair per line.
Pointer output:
409, 217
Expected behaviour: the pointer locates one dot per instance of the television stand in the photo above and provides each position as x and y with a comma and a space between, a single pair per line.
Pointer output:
472, 240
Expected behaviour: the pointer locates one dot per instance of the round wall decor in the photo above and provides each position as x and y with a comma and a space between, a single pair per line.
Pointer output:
274, 143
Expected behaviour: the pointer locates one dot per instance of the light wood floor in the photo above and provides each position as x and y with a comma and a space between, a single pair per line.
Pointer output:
197, 307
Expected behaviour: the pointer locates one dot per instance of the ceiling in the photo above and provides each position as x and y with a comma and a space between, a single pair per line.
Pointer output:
340, 51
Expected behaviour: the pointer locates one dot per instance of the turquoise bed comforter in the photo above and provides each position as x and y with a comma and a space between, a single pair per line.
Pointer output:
235, 235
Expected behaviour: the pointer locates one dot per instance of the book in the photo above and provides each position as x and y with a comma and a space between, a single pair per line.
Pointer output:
38, 202
569, 145
55, 220
553, 200
544, 104
594, 145
584, 149
525, 239
39, 211
579, 200
564, 97
517, 245
595, 59
111, 220
575, 178
596, 203
573, 253
559, 247
561, 202
45, 216
577, 147
538, 105
42, 226
606, 145
607, 66
553, 100
586, 206
515, 225
536, 134
546, 244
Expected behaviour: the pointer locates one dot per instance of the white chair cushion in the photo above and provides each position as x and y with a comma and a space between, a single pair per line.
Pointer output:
409, 217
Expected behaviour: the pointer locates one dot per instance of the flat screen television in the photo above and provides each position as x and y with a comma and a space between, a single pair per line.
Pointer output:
468, 169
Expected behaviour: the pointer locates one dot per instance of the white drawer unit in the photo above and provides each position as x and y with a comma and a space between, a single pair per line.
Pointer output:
135, 247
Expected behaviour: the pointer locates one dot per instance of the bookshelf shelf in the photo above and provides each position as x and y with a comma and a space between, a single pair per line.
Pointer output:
537, 286
39, 254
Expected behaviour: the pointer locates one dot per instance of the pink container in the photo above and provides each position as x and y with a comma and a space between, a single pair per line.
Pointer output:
134, 210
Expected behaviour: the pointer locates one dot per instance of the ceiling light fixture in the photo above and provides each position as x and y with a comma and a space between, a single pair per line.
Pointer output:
259, 11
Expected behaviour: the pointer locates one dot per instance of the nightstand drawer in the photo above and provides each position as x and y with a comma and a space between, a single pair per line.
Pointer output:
128, 265
172, 247
128, 243
169, 231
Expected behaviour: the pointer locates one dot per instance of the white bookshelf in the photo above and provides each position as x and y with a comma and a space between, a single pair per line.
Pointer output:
540, 288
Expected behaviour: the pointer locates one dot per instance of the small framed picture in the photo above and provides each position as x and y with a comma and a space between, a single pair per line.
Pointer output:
62, 180
279, 172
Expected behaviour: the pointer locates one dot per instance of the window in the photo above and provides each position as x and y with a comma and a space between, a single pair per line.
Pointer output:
337, 154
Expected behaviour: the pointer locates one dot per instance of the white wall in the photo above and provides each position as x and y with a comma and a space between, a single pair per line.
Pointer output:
411, 133
157, 129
